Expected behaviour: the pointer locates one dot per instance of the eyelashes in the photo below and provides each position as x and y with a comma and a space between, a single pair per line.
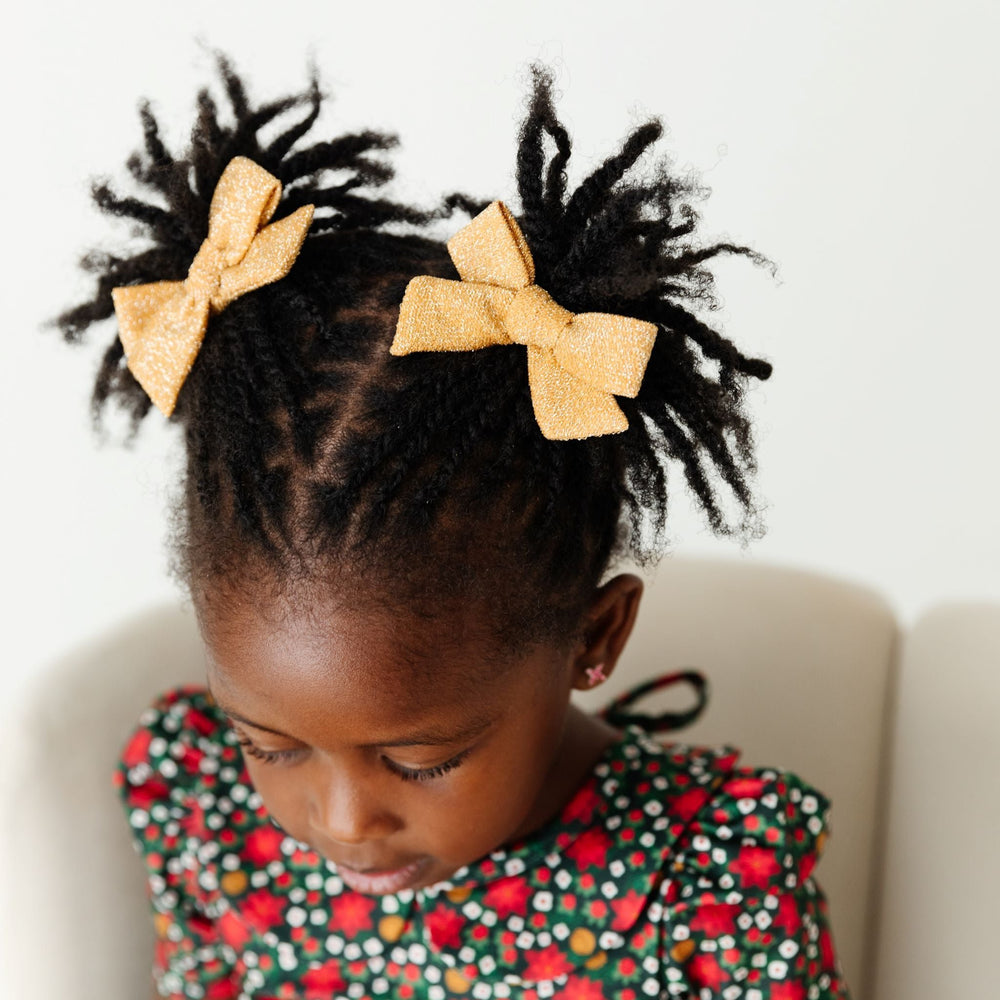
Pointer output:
405, 773
267, 756
426, 773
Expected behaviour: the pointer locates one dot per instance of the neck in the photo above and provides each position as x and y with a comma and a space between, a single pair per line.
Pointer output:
585, 739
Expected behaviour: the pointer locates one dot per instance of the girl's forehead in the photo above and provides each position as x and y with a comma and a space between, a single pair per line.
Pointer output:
360, 662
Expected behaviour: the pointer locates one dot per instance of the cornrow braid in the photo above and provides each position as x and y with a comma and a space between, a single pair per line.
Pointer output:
316, 458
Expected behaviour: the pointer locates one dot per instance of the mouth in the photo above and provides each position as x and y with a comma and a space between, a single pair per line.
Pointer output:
384, 880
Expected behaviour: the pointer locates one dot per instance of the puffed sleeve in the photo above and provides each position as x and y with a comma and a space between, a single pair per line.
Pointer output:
744, 916
160, 775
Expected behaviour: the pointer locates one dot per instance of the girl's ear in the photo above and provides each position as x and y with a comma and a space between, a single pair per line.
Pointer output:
607, 627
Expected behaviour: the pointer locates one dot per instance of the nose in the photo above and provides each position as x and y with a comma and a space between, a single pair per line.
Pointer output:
346, 809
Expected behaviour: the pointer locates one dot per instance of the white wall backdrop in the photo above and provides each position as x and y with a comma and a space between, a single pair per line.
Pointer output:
855, 143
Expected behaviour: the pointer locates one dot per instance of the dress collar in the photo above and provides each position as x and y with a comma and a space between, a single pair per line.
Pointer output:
576, 889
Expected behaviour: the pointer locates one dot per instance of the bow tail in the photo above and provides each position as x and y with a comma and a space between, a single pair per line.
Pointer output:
161, 328
492, 249
269, 258
438, 314
566, 407
607, 351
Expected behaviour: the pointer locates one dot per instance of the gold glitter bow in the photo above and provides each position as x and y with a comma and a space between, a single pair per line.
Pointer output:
577, 363
161, 325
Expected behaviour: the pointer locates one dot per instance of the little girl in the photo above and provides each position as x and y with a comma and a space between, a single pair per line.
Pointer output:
411, 468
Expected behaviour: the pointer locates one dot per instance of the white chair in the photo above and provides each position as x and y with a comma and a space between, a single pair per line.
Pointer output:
799, 664
940, 905
74, 922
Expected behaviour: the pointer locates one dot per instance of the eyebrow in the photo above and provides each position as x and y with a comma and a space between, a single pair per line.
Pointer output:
427, 737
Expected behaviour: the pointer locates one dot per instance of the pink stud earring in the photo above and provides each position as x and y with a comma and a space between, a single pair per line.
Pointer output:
596, 674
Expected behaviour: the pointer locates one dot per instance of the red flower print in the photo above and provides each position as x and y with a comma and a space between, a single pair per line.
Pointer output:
806, 866
788, 990
261, 910
191, 759
715, 921
222, 989
787, 918
137, 750
826, 949
744, 788
705, 970
351, 912
627, 909
508, 895
199, 926
319, 982
199, 722
546, 964
590, 848
263, 845
147, 793
756, 866
686, 805
444, 925
581, 807
579, 988
193, 824
162, 953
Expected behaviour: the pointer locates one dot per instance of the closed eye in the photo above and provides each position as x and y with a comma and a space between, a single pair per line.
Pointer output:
267, 756
426, 773
406, 773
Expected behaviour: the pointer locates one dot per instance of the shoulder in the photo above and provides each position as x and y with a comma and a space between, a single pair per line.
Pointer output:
181, 749
173, 735
760, 829
739, 890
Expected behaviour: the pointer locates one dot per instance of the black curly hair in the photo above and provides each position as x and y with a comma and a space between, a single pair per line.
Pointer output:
314, 456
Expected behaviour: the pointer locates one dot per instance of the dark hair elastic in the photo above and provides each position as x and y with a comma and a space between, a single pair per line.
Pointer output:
614, 713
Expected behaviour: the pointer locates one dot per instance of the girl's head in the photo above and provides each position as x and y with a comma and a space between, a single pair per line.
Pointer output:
390, 563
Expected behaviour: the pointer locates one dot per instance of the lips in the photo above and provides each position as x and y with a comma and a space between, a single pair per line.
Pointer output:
386, 880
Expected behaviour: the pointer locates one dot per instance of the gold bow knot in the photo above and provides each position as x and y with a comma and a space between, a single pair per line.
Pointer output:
577, 362
162, 324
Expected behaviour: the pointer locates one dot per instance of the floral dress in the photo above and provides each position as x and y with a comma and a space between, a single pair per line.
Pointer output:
672, 872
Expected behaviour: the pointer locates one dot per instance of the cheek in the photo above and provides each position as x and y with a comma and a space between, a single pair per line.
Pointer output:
285, 797
491, 800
